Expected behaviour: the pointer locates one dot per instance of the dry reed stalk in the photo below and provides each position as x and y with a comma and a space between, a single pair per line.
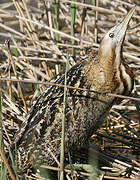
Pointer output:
7, 164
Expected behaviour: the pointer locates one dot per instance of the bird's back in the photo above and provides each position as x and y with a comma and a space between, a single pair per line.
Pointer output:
85, 112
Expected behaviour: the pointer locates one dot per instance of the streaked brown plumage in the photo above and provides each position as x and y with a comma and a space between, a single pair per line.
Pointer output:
85, 111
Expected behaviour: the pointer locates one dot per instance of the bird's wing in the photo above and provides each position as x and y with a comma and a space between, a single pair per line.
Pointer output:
49, 99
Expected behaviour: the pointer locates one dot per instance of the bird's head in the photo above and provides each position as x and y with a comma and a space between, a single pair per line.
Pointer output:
112, 42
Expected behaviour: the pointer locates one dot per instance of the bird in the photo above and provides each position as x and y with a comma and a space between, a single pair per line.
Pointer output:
39, 137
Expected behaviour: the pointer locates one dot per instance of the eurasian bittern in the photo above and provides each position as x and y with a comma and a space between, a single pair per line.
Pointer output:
105, 71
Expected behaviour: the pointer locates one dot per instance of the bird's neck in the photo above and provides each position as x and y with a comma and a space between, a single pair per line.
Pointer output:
117, 71
109, 57
109, 73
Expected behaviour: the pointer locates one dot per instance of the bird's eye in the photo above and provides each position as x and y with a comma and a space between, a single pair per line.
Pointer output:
111, 35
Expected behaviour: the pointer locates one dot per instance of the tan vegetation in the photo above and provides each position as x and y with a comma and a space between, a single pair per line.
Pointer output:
35, 39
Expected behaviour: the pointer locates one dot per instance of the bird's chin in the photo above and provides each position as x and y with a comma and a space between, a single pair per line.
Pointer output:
118, 43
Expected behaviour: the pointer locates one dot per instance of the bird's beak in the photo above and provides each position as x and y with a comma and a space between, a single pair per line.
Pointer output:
120, 29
